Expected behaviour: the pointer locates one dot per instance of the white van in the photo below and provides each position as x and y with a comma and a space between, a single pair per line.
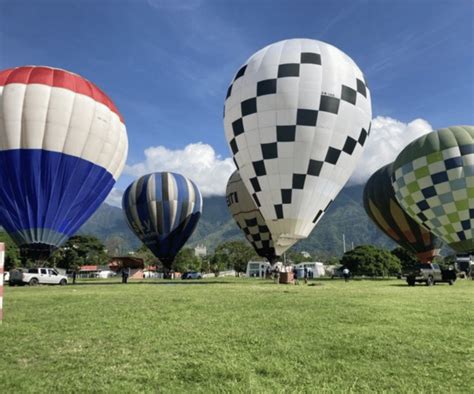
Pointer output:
315, 269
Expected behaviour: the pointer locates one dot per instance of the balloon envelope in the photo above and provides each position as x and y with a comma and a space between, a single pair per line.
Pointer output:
248, 217
296, 118
163, 210
385, 211
63, 144
434, 182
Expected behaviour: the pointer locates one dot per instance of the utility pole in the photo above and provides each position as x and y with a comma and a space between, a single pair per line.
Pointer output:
344, 242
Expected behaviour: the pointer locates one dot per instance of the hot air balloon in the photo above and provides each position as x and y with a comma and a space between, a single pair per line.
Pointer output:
249, 219
63, 144
433, 179
385, 211
163, 209
296, 117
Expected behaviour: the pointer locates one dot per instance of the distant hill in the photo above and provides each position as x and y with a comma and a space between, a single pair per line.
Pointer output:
345, 216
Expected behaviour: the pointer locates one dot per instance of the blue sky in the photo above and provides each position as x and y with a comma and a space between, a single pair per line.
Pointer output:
167, 64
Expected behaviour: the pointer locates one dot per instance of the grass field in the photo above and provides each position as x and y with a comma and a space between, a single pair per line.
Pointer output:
238, 335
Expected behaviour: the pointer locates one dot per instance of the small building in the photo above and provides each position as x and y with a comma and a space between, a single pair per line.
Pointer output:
257, 269
116, 264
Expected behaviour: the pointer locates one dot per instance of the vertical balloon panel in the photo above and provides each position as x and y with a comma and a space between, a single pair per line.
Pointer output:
163, 209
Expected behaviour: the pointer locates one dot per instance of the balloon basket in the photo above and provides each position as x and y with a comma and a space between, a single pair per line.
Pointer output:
286, 278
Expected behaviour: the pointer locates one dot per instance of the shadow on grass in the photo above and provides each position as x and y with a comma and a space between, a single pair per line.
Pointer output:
417, 285
170, 283
404, 285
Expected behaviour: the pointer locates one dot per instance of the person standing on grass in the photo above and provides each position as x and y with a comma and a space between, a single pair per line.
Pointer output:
346, 273
74, 274
276, 274
305, 275
295, 275
125, 275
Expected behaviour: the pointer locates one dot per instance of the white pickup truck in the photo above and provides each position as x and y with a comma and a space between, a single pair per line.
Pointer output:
35, 276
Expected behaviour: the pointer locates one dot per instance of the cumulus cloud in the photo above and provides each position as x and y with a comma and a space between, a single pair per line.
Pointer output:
210, 171
387, 138
199, 162
115, 197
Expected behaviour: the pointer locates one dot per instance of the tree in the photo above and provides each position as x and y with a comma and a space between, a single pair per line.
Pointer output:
80, 250
332, 261
186, 260
296, 257
233, 254
407, 259
70, 260
205, 264
115, 246
147, 255
369, 260
88, 248
12, 253
218, 262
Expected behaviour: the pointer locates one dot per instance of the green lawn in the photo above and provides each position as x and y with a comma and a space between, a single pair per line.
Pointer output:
238, 335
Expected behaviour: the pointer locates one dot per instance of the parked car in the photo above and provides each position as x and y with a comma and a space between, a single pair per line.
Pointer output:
35, 276
191, 275
429, 274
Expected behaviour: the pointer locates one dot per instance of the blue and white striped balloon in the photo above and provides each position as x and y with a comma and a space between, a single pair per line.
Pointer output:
163, 210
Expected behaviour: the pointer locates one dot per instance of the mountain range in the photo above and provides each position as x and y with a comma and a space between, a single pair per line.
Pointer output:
346, 216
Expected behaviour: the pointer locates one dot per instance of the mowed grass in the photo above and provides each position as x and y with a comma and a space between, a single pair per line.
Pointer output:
238, 335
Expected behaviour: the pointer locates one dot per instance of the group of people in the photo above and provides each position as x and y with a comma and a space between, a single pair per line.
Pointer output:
305, 275
275, 274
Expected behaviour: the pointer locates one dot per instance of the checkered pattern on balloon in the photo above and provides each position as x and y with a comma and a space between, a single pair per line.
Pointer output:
297, 116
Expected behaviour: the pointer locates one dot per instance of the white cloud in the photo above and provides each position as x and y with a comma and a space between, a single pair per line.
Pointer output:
387, 138
210, 171
115, 197
199, 162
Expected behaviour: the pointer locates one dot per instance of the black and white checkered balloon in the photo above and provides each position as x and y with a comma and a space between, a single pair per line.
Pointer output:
248, 217
296, 116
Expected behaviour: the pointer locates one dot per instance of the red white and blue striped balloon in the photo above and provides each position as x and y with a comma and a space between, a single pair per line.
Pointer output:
163, 210
63, 144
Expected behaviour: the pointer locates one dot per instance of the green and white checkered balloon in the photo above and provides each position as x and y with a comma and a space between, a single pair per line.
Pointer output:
433, 181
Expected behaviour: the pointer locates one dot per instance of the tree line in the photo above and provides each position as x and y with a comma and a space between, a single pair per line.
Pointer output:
79, 250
